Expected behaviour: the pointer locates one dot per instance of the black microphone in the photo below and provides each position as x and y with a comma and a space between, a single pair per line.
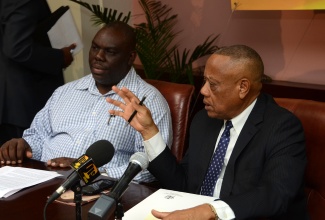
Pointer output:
106, 204
137, 162
85, 167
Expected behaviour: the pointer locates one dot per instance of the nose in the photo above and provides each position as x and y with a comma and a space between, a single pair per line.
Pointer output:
100, 55
204, 90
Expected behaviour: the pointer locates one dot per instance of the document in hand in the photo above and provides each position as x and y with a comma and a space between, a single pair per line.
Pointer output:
64, 31
14, 179
166, 201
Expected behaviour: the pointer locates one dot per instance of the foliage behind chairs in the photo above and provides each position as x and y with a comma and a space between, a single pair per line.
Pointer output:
157, 51
103, 16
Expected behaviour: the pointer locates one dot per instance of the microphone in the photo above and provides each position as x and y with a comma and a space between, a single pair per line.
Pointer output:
137, 162
103, 208
85, 167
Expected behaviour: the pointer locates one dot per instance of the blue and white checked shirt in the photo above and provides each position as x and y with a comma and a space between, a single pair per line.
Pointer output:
76, 116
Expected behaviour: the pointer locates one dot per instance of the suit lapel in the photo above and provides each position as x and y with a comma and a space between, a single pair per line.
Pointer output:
210, 144
249, 130
207, 148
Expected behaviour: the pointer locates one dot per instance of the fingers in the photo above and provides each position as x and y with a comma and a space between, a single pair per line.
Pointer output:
119, 104
137, 115
158, 214
5, 153
127, 106
60, 162
67, 54
125, 94
72, 46
122, 95
13, 151
116, 103
2, 160
23, 149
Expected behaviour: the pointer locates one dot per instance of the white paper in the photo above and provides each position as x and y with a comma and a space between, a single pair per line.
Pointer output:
64, 33
14, 179
166, 201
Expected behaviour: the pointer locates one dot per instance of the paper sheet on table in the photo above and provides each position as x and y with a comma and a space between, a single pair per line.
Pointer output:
64, 33
14, 179
165, 200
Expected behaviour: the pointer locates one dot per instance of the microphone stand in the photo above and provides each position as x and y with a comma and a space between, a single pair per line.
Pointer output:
119, 212
109, 208
77, 199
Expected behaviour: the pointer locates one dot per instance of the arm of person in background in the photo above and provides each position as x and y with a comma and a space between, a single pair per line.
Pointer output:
16, 149
30, 146
19, 45
41, 129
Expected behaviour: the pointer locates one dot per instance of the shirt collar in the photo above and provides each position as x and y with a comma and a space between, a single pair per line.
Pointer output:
239, 121
88, 83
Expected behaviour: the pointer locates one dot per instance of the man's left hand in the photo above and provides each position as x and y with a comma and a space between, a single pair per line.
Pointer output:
201, 212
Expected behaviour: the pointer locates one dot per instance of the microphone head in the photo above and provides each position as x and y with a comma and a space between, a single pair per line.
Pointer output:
141, 159
101, 152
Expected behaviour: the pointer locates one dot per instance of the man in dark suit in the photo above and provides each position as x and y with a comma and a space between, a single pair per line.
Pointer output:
261, 174
30, 68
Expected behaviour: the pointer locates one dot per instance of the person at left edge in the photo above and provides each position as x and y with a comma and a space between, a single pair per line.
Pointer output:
30, 68
77, 113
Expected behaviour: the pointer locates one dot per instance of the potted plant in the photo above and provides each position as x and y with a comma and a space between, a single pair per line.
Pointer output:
156, 46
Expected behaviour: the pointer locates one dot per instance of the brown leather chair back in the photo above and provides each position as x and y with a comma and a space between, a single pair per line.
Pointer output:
179, 97
312, 117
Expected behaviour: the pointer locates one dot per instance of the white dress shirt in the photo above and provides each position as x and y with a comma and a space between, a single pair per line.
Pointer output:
156, 145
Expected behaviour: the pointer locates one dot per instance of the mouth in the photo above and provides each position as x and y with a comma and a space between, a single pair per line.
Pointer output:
206, 105
97, 69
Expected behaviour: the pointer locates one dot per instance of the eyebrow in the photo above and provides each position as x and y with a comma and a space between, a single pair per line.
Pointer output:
211, 79
105, 48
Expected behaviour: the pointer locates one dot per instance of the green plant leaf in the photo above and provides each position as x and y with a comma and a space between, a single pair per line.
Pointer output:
103, 15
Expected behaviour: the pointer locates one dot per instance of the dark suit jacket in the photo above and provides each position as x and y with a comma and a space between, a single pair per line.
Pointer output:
264, 175
30, 69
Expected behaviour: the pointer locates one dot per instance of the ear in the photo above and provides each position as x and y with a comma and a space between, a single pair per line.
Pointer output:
244, 87
133, 55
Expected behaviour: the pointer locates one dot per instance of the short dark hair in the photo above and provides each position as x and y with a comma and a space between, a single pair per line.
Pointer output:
127, 30
240, 52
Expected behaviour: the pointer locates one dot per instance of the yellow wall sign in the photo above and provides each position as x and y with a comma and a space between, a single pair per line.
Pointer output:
277, 4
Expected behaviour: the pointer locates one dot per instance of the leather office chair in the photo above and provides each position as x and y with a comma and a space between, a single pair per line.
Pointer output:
179, 98
312, 116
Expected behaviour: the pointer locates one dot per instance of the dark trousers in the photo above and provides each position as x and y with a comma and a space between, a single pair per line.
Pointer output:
8, 132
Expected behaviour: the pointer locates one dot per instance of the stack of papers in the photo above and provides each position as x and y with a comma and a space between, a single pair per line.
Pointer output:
14, 179
165, 201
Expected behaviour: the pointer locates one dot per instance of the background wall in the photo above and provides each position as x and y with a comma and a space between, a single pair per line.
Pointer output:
291, 43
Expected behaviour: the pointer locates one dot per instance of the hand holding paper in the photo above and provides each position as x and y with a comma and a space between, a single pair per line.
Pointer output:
64, 33
68, 54
164, 200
